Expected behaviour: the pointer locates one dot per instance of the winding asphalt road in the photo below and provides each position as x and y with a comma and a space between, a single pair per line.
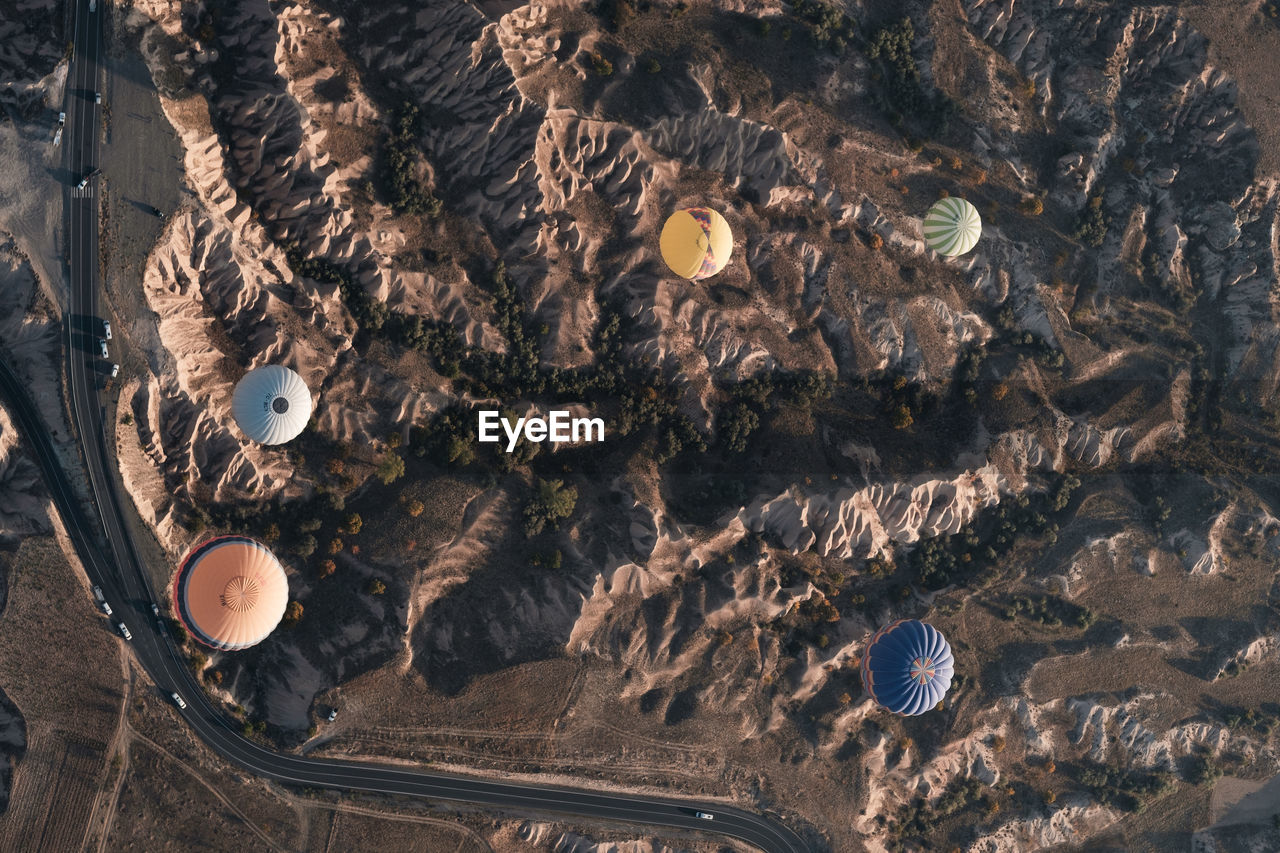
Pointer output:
119, 571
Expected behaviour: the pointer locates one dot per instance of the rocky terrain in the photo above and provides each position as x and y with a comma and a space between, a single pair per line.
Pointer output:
1056, 449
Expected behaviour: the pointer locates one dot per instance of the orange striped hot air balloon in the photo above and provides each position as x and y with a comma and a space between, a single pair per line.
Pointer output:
696, 243
230, 593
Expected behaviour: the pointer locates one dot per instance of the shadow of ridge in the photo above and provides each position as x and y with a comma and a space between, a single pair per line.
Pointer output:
473, 630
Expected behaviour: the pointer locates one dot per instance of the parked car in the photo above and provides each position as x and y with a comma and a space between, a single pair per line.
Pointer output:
106, 329
124, 631
704, 815
57, 136
97, 97
97, 593
155, 608
102, 346
177, 700
106, 608
115, 371
62, 119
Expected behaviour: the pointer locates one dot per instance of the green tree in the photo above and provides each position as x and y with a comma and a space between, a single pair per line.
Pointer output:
552, 502
390, 469
736, 424
306, 546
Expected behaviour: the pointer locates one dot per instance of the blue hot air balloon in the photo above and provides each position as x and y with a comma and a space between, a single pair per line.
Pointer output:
907, 667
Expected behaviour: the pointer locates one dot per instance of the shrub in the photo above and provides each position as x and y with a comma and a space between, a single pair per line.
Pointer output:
327, 568
735, 425
415, 508
601, 65
1203, 771
617, 13
292, 614
900, 92
1032, 206
400, 174
876, 242
390, 469
306, 546
1092, 229
335, 546
352, 524
376, 587
552, 502
830, 27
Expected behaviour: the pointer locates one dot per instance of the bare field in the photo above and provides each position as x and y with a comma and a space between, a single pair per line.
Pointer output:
59, 665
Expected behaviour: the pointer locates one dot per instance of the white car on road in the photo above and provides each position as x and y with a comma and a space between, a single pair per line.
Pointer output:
115, 371
124, 631
102, 346
704, 815
106, 329
177, 700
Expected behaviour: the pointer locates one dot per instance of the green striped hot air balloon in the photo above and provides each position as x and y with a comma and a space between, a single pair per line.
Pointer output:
952, 226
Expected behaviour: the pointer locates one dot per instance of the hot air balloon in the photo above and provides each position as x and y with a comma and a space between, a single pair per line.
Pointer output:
952, 226
696, 243
230, 593
271, 404
907, 667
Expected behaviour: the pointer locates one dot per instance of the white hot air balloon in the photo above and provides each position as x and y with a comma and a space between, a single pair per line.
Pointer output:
271, 404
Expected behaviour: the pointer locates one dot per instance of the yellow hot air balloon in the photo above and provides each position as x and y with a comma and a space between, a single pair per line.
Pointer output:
696, 243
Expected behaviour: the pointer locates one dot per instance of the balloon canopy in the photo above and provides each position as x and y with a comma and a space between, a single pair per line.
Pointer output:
230, 593
907, 667
952, 226
696, 243
271, 404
